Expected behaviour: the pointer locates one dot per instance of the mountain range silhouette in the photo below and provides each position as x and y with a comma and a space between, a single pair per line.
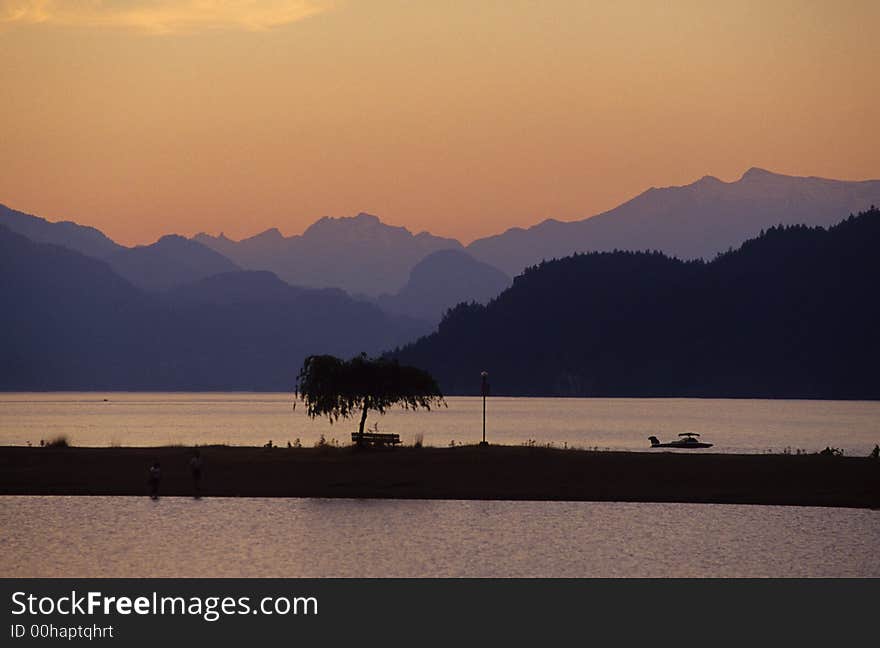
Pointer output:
206, 312
792, 313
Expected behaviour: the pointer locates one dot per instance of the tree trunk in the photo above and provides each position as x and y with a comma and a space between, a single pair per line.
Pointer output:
361, 428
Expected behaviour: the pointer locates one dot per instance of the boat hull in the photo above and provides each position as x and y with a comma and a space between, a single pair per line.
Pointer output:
686, 446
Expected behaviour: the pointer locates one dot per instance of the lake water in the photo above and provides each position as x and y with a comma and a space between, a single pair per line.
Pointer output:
180, 537
149, 419
123, 536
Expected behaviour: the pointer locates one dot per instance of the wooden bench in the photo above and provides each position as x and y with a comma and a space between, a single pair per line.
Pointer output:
375, 438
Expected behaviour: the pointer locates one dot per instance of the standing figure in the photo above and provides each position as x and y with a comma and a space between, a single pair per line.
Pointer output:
155, 475
195, 468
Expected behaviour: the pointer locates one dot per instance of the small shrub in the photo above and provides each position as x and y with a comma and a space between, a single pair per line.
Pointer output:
61, 441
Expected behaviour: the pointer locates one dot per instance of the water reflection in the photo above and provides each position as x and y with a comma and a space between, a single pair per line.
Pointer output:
146, 419
137, 537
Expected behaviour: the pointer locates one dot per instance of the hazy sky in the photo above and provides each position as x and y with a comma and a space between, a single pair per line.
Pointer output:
144, 117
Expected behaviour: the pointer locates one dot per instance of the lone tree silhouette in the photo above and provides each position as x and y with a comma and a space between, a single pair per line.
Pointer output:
339, 388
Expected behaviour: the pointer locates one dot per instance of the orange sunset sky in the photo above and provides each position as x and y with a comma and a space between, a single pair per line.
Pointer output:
144, 117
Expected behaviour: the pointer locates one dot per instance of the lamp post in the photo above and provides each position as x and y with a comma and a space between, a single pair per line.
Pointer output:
484, 388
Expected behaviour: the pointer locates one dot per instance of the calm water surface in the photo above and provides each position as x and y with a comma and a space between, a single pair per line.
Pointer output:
136, 537
148, 419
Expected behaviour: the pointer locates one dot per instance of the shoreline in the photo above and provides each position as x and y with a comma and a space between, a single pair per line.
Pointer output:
288, 392
462, 472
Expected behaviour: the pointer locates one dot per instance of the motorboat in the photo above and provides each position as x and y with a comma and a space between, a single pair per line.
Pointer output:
685, 440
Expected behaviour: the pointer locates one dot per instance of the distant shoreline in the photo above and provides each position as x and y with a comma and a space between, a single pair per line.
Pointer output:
466, 472
842, 399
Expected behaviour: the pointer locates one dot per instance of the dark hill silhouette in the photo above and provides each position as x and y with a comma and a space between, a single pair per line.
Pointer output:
442, 280
698, 220
239, 287
61, 314
87, 240
214, 340
70, 322
790, 314
361, 255
171, 261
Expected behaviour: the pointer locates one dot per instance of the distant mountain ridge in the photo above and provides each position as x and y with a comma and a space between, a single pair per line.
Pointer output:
239, 287
366, 257
87, 240
442, 280
697, 220
792, 313
71, 323
169, 262
360, 254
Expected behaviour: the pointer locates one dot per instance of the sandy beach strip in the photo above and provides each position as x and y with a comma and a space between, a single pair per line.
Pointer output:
468, 472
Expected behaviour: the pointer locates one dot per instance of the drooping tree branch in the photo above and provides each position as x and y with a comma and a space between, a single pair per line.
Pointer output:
339, 388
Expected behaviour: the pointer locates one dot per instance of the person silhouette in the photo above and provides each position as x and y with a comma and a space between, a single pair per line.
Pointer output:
195, 468
155, 476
